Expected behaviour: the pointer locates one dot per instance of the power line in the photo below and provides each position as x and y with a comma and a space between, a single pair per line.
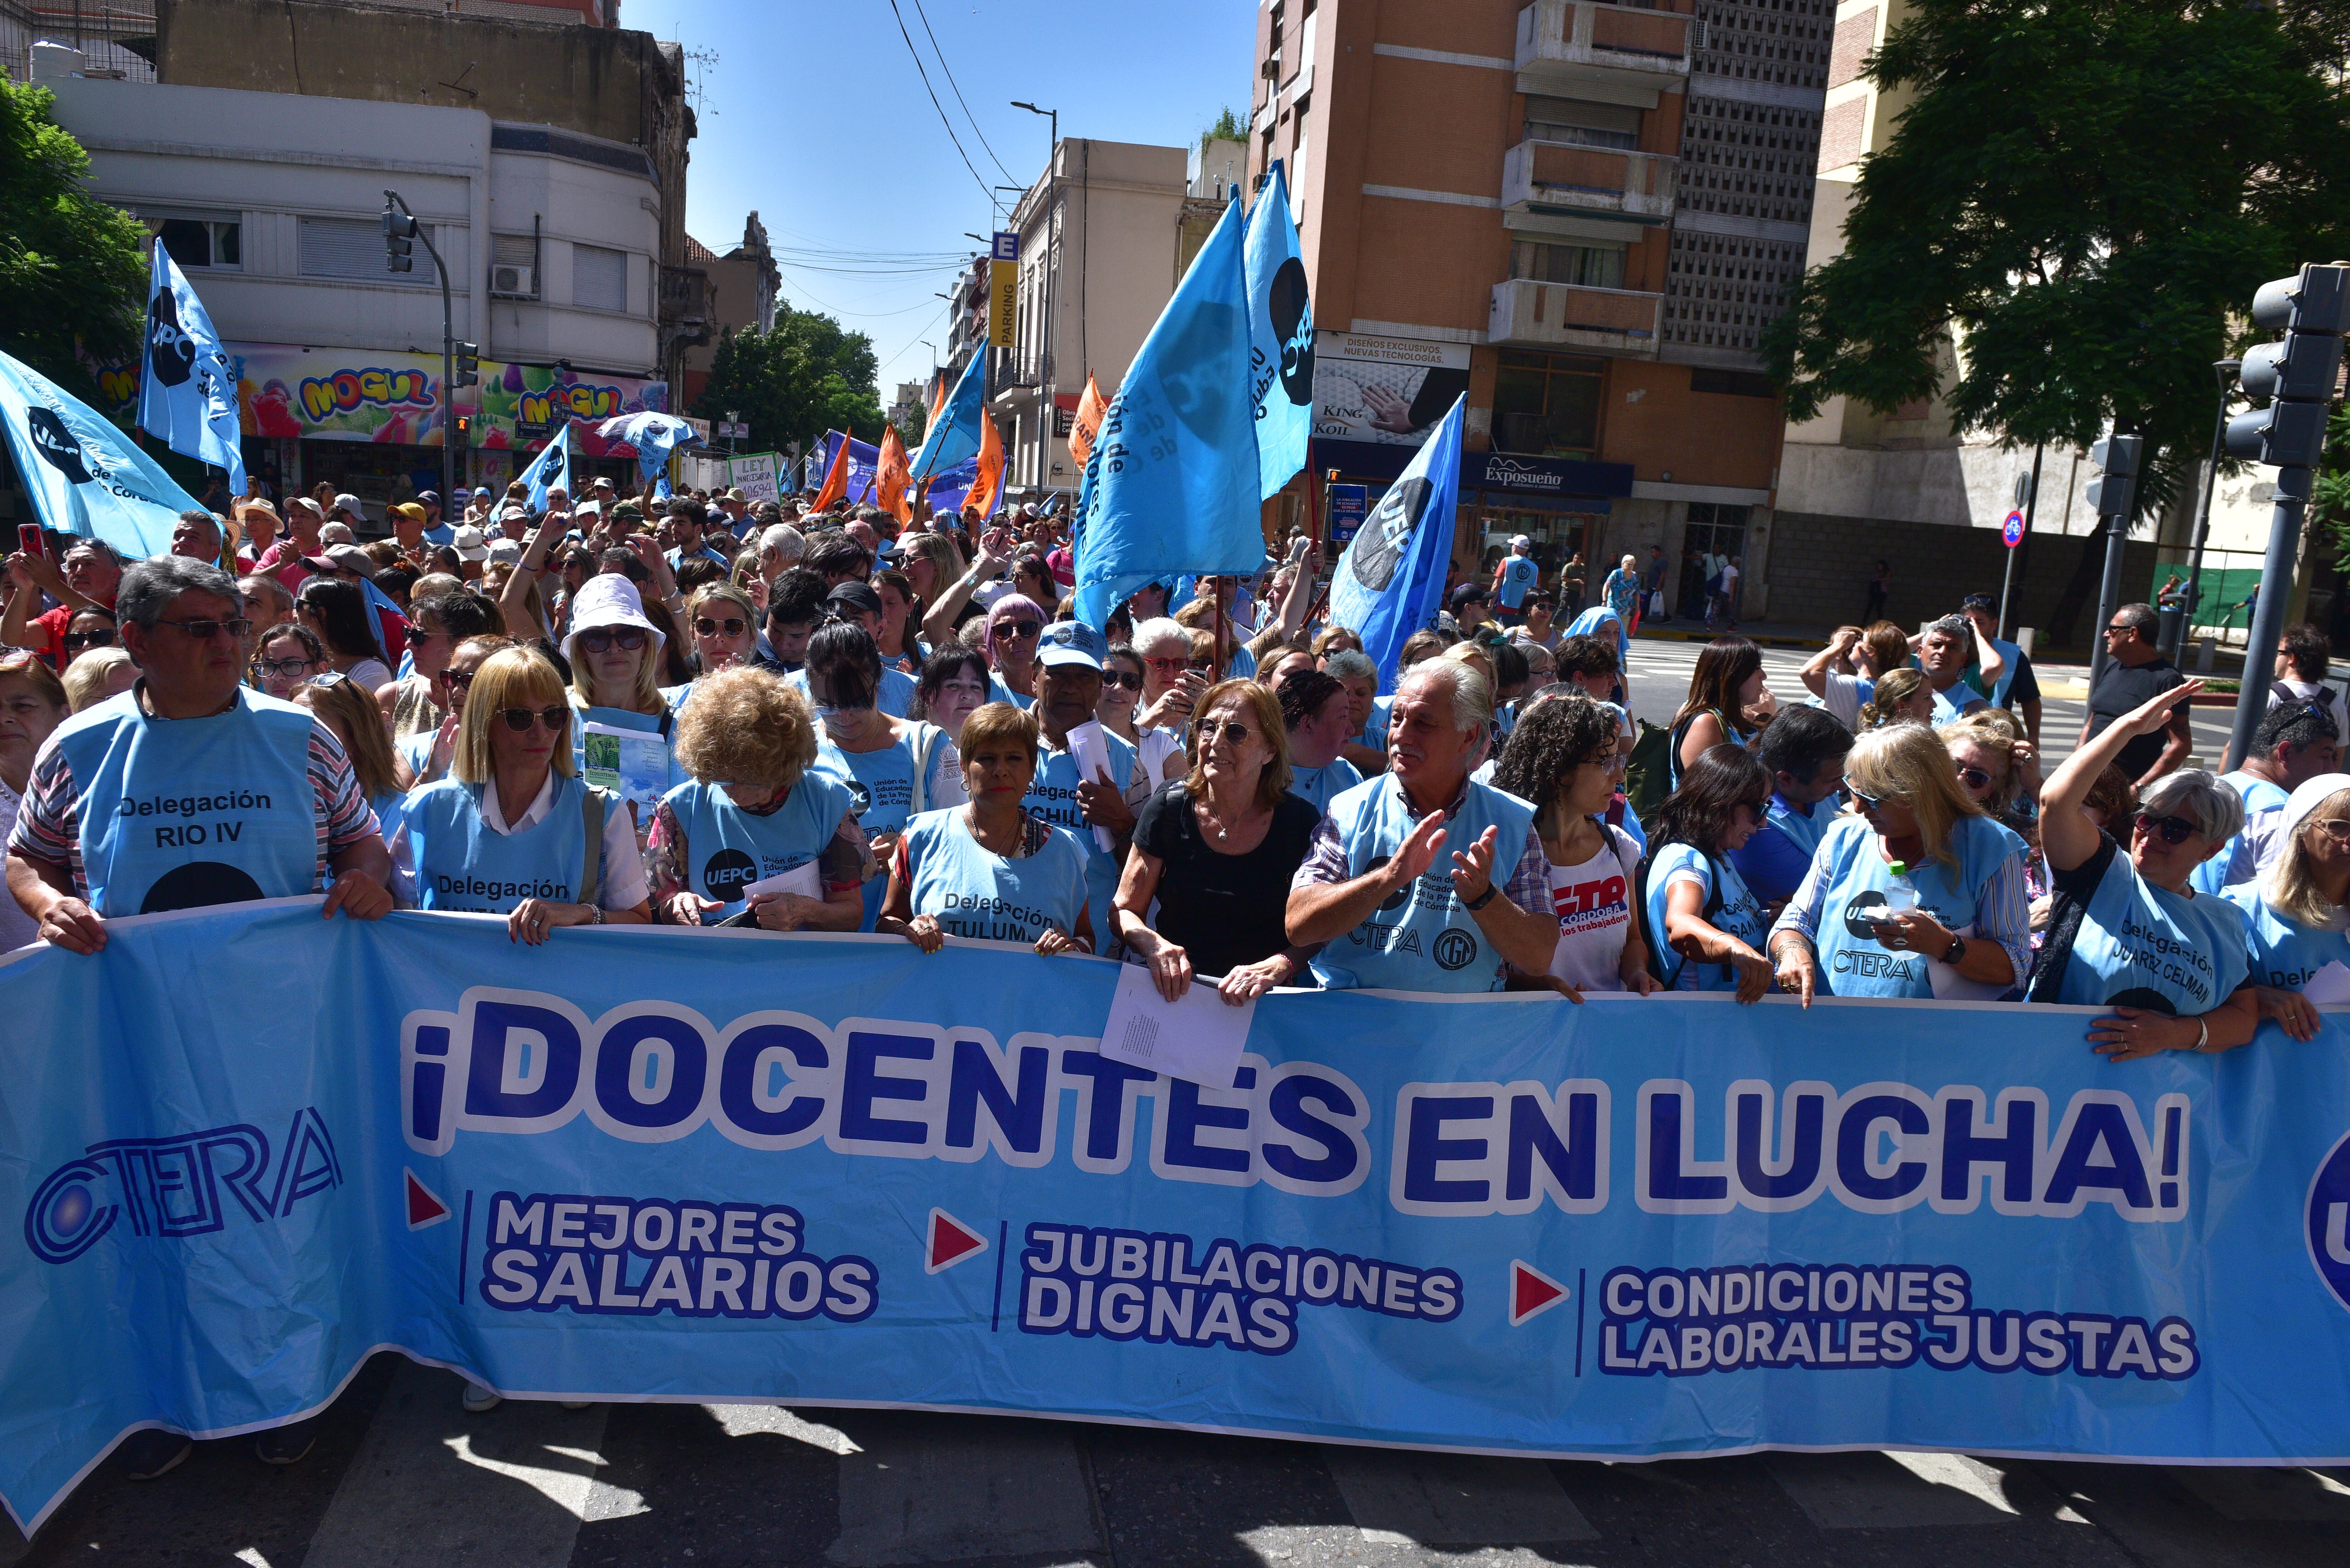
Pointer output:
958, 88
940, 107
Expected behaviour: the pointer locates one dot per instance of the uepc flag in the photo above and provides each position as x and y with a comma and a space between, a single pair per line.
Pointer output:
550, 468
187, 387
85, 476
1171, 485
1391, 578
953, 436
1281, 336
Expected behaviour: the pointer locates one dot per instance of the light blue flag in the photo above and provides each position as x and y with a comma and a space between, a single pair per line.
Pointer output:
654, 435
1281, 336
953, 436
1390, 582
1172, 483
551, 468
85, 475
187, 386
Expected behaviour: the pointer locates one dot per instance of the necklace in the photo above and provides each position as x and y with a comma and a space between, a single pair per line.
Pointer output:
1224, 830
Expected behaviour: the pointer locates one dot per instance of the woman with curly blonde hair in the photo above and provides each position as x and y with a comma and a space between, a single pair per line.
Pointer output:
724, 844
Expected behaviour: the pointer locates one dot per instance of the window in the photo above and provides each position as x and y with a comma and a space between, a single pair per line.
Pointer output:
600, 279
1586, 124
1593, 266
353, 248
213, 243
1548, 403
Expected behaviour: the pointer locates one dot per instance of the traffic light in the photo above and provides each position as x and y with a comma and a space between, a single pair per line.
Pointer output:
468, 364
465, 426
399, 240
2296, 373
2109, 493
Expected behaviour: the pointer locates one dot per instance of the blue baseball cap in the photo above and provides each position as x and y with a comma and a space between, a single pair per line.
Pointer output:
1071, 642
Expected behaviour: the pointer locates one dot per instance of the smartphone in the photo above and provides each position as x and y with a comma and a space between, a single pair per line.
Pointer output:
29, 540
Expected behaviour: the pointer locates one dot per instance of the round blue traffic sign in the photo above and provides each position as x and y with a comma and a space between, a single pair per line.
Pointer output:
2013, 532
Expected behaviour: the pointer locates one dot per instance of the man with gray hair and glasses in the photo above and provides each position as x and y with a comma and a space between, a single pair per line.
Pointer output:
2135, 674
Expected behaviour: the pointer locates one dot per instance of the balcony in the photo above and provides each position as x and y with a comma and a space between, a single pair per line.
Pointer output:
1531, 315
685, 304
1611, 53
1561, 180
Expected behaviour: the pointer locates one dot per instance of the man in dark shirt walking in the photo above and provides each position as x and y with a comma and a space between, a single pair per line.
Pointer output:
2135, 674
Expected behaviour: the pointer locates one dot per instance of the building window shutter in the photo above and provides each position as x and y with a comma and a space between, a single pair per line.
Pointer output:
600, 279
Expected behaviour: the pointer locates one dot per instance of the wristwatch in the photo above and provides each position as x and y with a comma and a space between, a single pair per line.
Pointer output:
1958, 949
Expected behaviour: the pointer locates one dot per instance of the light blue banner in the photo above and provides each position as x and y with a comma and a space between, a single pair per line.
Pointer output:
1281, 336
187, 385
1390, 581
243, 1149
84, 474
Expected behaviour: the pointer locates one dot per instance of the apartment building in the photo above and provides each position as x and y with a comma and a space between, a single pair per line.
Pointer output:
1580, 215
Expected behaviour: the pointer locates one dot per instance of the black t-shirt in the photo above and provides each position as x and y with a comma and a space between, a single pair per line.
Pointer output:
2026, 687
1226, 909
2123, 688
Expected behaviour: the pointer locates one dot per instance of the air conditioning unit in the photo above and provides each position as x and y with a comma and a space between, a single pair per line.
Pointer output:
522, 280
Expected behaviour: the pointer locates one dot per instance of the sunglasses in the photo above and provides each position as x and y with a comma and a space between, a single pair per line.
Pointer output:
457, 680
283, 668
1863, 799
1018, 628
1172, 666
205, 630
103, 638
1232, 730
2173, 829
1974, 778
519, 720
604, 640
732, 625
1132, 682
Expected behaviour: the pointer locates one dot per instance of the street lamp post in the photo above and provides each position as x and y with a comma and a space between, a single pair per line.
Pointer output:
401, 225
2225, 369
1046, 393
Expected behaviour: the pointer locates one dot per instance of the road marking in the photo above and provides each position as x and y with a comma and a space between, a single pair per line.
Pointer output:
1402, 1497
1892, 1491
2281, 1496
934, 1488
432, 1485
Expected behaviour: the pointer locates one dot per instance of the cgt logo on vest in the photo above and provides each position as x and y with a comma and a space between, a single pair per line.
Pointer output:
726, 874
2329, 1221
173, 1186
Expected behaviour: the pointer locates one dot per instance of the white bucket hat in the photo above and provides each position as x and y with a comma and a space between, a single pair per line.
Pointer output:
609, 600
467, 543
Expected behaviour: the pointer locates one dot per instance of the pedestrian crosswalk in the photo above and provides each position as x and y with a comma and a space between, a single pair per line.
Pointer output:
415, 1481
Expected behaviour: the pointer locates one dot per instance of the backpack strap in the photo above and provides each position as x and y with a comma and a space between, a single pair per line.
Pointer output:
591, 822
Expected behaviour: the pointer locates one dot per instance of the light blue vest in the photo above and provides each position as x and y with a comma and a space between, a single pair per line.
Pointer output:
1320, 785
2260, 794
972, 893
461, 865
728, 848
1742, 915
1804, 826
2144, 946
1423, 938
1052, 795
997, 692
2284, 954
177, 814
894, 698
882, 785
1518, 576
1853, 963
1946, 712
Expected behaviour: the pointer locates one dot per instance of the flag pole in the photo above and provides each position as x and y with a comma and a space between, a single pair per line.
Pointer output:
1223, 633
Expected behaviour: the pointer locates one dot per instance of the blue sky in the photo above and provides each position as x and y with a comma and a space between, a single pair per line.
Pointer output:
813, 114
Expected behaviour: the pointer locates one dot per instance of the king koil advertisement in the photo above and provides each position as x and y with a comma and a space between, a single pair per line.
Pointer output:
1389, 390
647, 1163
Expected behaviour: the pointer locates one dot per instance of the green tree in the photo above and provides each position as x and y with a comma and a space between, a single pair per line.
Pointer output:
1227, 127
2082, 195
71, 268
793, 383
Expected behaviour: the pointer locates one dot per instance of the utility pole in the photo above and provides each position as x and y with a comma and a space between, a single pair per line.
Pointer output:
401, 231
2030, 504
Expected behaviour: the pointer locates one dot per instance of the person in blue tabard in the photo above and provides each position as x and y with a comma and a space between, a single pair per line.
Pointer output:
1400, 882
1915, 894
1316, 711
891, 767
757, 835
991, 870
2293, 742
1515, 576
1706, 927
1803, 750
2295, 912
615, 654
514, 830
858, 605
1068, 689
1944, 653
2127, 930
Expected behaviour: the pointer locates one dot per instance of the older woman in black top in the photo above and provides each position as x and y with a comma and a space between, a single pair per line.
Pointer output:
1217, 850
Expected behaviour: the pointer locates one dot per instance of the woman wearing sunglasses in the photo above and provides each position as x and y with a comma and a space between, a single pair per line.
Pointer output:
1123, 676
2297, 908
1915, 893
429, 756
2129, 931
615, 654
90, 627
890, 765
1014, 624
725, 632
1997, 767
514, 830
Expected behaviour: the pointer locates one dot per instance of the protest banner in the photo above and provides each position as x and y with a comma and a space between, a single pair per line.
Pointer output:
243, 1149
754, 476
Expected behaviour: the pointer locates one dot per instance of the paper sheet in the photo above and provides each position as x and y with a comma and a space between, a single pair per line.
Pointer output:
2330, 986
804, 881
1199, 1038
1091, 753
631, 764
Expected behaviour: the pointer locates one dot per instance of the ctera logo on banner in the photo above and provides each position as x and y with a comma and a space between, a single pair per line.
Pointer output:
173, 1186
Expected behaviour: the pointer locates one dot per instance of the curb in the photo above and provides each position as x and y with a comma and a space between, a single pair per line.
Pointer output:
1646, 633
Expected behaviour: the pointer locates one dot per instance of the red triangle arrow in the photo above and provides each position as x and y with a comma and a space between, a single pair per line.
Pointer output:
951, 1242
424, 1207
1532, 1291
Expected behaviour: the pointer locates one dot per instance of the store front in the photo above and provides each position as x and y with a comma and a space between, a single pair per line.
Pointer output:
1561, 504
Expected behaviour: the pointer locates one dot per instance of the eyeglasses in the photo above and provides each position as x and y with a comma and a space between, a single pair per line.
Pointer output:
1975, 778
1232, 730
1612, 763
2173, 830
103, 637
1132, 680
2119, 630
1018, 628
283, 668
519, 720
457, 680
205, 630
628, 639
732, 625
1863, 799
1169, 666
2334, 828
330, 679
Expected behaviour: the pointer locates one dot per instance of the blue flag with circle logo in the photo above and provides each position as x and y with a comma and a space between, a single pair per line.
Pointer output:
84, 474
551, 468
1281, 336
187, 384
953, 436
1172, 486
1390, 582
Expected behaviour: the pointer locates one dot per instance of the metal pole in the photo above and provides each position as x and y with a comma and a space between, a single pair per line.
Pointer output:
2293, 491
448, 365
2226, 369
2030, 504
2117, 523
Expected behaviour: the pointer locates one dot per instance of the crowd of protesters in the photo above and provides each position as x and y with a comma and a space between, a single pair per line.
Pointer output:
699, 713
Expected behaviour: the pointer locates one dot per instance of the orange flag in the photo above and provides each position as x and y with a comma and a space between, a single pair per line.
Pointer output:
836, 478
988, 488
892, 474
1087, 424
937, 400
